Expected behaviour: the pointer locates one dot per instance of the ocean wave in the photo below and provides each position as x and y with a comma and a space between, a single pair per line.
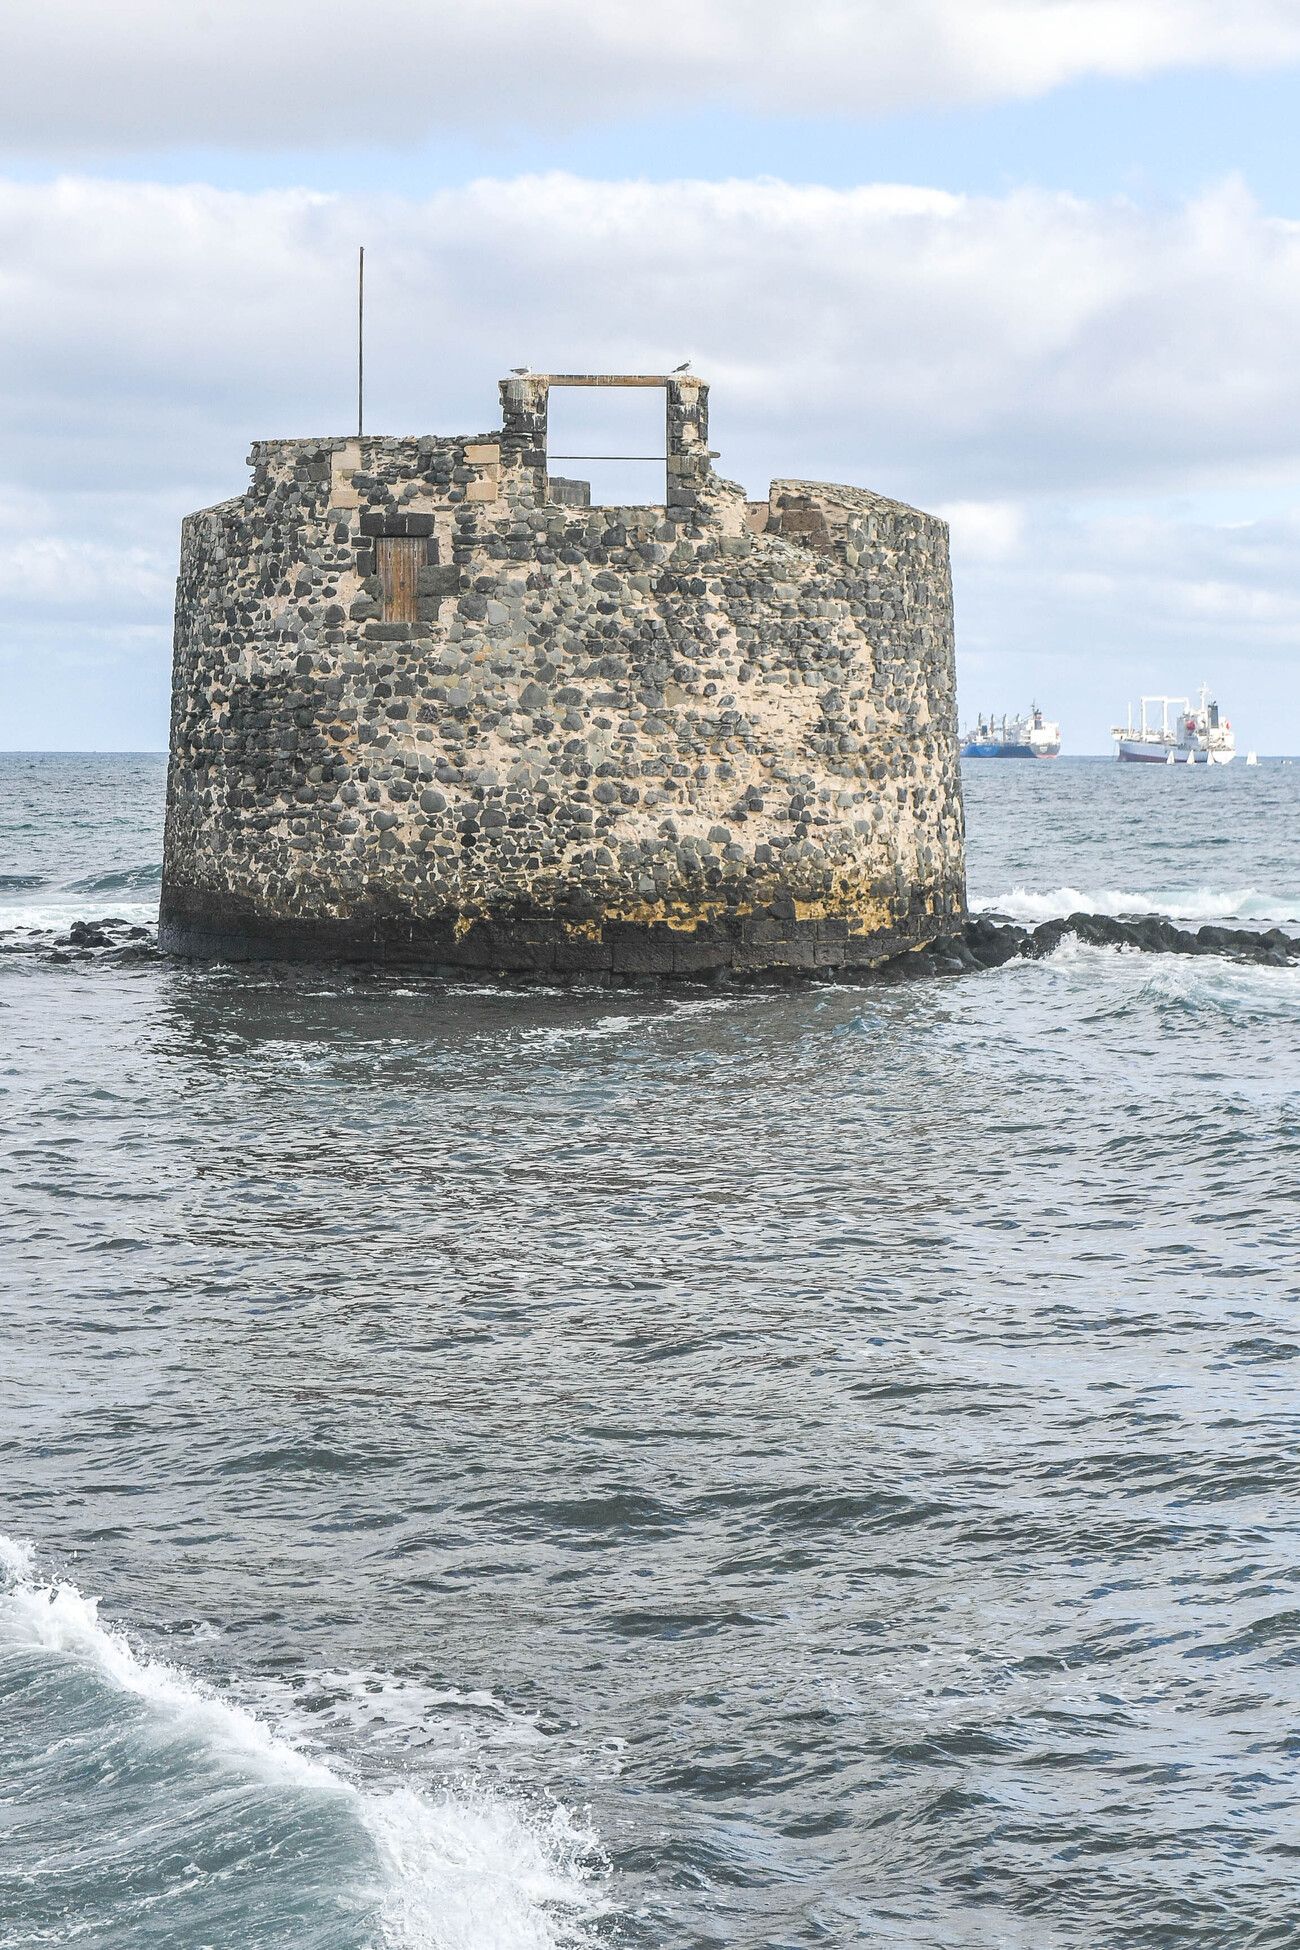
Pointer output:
57, 916
559, 1035
665, 1010
1173, 985
121, 880
1242, 993
455, 1870
388, 1712
1250, 906
19, 883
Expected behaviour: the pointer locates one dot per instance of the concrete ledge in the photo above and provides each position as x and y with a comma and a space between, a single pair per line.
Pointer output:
538, 946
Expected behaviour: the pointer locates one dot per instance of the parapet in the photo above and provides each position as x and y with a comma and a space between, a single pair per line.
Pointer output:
431, 707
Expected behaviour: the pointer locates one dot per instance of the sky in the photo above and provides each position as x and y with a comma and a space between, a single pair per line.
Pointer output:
1033, 265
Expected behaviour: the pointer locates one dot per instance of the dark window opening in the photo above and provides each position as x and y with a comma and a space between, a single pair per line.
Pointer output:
400, 559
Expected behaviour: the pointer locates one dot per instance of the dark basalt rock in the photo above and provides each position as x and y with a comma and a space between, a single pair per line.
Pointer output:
124, 941
991, 944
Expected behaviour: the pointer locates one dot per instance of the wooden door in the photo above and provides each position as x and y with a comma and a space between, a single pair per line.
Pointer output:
400, 559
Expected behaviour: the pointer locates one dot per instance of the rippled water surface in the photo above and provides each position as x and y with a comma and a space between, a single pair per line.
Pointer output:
488, 1468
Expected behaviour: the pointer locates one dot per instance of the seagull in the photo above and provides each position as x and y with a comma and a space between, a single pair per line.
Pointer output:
685, 366
521, 370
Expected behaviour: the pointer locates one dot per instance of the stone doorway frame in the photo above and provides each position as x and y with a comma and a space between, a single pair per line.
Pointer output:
524, 403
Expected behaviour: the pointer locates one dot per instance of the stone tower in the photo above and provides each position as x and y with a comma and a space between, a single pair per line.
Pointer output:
431, 708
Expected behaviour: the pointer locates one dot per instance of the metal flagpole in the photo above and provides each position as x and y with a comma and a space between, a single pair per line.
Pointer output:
361, 343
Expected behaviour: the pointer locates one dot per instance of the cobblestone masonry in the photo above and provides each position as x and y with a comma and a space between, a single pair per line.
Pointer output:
425, 711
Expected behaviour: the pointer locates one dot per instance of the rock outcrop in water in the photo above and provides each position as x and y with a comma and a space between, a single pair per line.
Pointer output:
983, 942
431, 708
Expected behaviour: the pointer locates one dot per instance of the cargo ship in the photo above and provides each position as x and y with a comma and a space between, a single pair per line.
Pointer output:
1184, 736
1004, 737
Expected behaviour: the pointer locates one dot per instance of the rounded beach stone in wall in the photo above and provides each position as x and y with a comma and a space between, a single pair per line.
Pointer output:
599, 742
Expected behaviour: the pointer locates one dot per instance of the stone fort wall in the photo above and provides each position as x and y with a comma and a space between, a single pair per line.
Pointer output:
425, 710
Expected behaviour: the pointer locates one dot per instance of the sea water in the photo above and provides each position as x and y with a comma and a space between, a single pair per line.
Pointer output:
485, 1467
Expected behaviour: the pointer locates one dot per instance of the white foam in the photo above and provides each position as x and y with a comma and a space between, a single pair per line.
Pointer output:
1234, 989
460, 1870
557, 1035
464, 1872
1248, 905
1240, 990
383, 1711
57, 916
17, 1558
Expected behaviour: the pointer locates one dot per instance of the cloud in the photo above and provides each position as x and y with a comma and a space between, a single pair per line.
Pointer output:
307, 74
996, 357
1086, 612
960, 348
1174, 585
45, 569
987, 531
